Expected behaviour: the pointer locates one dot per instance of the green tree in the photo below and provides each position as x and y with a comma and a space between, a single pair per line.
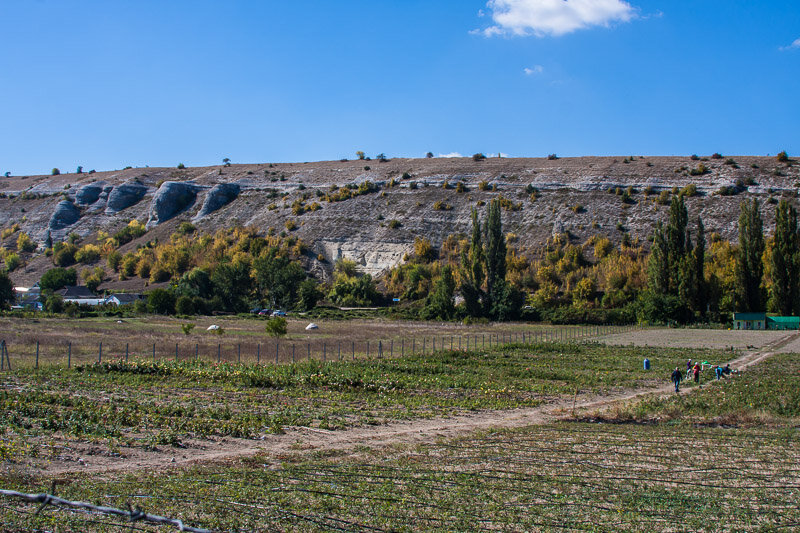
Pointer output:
749, 267
161, 301
700, 293
185, 305
472, 261
784, 289
439, 304
6, 291
495, 251
308, 294
278, 278
675, 239
658, 269
276, 327
232, 285
58, 278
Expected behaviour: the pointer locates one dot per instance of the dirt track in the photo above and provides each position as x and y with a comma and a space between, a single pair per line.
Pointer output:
273, 447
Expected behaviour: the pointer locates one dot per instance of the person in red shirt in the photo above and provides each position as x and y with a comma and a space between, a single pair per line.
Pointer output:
696, 372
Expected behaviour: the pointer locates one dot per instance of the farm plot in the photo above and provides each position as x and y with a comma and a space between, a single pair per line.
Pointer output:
593, 477
718, 339
125, 407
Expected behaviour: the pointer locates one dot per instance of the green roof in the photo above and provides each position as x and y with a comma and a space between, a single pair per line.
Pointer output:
749, 316
784, 319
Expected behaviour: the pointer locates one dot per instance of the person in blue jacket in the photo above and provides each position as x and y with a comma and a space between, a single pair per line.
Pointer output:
677, 376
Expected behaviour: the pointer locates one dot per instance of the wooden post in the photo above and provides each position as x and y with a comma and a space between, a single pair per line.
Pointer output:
100, 353
37, 355
402, 346
354, 350
423, 345
391, 348
324, 352
276, 352
433, 340
239, 355
292, 352
413, 344
484, 339
451, 343
126, 352
367, 350
196, 351
339, 354
258, 353
380, 349
219, 353
69, 355
154, 352
176, 351
308, 349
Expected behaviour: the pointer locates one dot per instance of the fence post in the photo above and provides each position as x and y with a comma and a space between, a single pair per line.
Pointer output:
380, 349
100, 353
308, 346
339, 350
196, 350
433, 340
292, 352
367, 350
154, 352
219, 353
413, 344
354, 350
126, 352
402, 347
258, 353
69, 355
423, 345
176, 351
276, 352
391, 348
324, 352
37, 354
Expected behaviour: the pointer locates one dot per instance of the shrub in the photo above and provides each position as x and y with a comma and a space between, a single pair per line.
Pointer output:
394, 223
429, 155
695, 157
716, 155
483, 186
114, 258
161, 301
65, 255
461, 187
438, 205
552, 157
412, 185
25, 243
12, 262
578, 208
783, 157
689, 191
367, 167
361, 155
276, 327
185, 305
381, 158
478, 157
700, 170
731, 163
88, 254
291, 225
423, 250
58, 278
181, 166
186, 228
55, 172
186, 328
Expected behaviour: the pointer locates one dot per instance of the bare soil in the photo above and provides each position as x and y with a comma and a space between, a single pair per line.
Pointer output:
67, 457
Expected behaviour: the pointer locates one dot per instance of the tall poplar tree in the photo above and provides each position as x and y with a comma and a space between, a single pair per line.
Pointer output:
784, 290
658, 268
675, 238
495, 252
749, 267
472, 261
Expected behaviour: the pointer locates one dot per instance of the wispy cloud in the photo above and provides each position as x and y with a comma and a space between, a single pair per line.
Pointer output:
794, 46
531, 71
451, 154
554, 17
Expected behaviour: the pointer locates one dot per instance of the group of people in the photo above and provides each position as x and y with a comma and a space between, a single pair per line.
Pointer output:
694, 371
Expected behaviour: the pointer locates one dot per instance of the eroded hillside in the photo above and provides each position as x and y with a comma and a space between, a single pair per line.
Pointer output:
332, 208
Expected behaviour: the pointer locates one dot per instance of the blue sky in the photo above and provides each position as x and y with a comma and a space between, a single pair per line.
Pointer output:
106, 84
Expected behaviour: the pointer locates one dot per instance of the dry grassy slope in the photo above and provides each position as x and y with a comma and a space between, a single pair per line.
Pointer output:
358, 228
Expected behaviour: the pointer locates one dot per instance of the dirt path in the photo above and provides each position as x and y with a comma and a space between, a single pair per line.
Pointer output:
273, 447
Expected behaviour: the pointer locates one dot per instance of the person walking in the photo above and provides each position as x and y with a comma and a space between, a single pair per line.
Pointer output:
677, 376
696, 372
718, 372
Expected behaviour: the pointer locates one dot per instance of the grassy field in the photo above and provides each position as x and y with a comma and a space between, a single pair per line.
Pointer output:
245, 339
720, 458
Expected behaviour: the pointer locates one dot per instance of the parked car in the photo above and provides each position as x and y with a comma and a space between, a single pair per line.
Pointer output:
278, 312
255, 311
264, 312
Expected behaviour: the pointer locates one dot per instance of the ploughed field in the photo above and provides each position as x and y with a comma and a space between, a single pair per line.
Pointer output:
721, 457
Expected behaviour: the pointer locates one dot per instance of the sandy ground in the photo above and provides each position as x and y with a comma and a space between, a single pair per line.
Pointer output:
86, 458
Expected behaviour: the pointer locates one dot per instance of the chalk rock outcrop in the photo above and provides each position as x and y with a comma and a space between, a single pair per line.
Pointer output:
66, 214
218, 197
90, 193
124, 196
172, 198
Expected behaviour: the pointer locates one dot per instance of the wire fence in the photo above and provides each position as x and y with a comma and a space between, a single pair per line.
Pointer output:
282, 351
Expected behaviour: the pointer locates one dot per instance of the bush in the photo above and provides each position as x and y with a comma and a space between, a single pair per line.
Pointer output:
700, 170
181, 166
276, 327
88, 254
55, 172
58, 278
12, 262
394, 223
478, 157
186, 228
483, 185
783, 157
438, 205
65, 255
185, 305
689, 191
552, 157
161, 301
429, 155
716, 155
186, 328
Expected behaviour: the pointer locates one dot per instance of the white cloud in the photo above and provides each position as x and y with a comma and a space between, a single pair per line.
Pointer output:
794, 46
451, 154
536, 69
554, 17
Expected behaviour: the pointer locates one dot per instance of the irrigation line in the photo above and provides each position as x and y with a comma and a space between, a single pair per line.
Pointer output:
132, 515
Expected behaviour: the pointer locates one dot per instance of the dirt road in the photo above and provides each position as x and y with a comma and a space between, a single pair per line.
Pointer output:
353, 441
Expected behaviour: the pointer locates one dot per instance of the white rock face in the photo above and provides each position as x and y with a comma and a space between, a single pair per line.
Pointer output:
372, 257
